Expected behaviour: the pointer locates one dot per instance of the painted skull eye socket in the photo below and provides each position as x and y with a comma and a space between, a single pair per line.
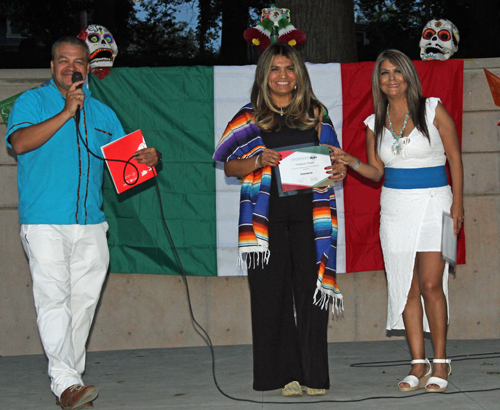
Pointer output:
428, 34
94, 37
444, 35
109, 38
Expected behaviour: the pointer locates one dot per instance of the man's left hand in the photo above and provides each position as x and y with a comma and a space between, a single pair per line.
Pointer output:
148, 156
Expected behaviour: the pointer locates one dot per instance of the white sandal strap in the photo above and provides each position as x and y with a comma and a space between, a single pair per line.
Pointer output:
442, 383
447, 361
411, 380
441, 361
417, 361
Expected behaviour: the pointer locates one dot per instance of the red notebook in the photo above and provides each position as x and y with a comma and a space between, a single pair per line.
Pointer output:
123, 148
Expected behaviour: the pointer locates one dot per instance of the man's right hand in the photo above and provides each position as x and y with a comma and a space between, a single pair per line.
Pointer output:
74, 99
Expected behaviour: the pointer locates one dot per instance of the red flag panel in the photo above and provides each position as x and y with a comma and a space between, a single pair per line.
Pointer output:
442, 79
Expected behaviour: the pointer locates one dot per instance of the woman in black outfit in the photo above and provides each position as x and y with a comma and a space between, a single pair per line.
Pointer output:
289, 331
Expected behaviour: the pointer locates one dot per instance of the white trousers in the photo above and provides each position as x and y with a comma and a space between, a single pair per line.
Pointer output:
68, 265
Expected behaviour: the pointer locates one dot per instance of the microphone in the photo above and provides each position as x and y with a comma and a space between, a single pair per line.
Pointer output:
77, 76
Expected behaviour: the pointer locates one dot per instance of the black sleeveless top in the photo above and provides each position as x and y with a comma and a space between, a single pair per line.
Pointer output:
275, 140
288, 136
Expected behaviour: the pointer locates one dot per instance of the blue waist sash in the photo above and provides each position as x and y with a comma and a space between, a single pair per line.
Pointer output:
415, 178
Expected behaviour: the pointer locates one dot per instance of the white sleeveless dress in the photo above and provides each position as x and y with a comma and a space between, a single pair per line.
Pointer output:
411, 219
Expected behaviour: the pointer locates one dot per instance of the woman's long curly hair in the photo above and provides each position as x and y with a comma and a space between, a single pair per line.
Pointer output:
300, 111
414, 98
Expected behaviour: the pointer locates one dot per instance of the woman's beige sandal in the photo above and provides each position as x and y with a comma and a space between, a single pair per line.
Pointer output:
314, 392
415, 383
441, 384
292, 389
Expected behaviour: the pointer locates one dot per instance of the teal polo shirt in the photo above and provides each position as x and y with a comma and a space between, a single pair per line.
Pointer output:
61, 182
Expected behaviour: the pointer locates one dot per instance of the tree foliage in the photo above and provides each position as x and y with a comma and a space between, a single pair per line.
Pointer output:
43, 22
158, 37
46, 21
155, 39
208, 27
398, 24
227, 19
329, 25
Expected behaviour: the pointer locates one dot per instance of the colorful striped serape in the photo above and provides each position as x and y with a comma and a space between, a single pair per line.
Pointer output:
241, 140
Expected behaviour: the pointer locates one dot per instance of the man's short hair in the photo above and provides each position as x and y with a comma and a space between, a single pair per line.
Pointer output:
73, 41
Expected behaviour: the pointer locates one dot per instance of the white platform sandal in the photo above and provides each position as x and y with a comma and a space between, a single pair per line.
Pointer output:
415, 383
441, 383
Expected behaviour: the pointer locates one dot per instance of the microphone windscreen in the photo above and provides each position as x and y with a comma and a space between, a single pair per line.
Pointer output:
77, 76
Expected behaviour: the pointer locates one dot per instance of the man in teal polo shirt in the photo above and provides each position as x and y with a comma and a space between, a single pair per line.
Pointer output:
63, 229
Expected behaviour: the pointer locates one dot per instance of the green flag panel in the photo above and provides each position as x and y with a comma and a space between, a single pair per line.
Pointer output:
173, 106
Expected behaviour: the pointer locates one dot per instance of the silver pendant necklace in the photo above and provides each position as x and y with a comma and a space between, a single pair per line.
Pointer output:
397, 146
283, 106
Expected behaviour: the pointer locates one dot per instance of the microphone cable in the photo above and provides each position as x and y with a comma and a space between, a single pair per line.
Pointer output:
126, 162
208, 341
77, 76
198, 328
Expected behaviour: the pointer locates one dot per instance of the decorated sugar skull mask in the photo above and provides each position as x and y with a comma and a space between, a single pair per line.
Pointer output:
274, 26
102, 45
275, 14
439, 40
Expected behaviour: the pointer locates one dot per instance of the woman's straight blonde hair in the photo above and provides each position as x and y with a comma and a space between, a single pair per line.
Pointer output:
414, 98
300, 111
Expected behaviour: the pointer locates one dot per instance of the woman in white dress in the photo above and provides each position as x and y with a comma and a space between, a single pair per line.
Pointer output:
409, 139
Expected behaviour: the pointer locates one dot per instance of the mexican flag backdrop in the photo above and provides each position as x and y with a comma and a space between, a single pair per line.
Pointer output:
183, 111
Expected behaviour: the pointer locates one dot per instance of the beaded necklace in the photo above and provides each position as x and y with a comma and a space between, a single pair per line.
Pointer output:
397, 148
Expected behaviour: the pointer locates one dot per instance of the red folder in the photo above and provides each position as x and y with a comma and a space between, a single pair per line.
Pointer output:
123, 149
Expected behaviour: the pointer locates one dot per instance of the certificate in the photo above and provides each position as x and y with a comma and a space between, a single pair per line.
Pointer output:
302, 167
448, 241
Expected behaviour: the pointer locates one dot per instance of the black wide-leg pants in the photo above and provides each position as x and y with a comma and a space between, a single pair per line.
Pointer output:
285, 347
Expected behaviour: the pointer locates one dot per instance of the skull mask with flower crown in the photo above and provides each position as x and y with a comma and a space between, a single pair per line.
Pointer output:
102, 45
439, 40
